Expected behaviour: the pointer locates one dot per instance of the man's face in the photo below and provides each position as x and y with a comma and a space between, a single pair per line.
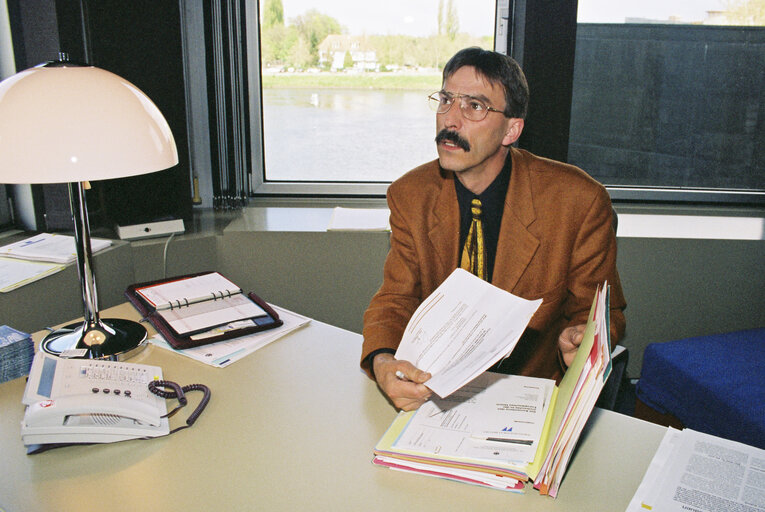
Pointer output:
486, 139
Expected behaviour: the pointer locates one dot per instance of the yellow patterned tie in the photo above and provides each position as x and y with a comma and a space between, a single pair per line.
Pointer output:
473, 252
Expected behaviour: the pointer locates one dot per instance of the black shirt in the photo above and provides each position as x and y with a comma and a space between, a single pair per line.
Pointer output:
492, 205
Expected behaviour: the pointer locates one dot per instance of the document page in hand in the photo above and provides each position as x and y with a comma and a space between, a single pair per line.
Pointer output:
465, 326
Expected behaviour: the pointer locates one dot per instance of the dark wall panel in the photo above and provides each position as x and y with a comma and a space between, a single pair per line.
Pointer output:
141, 41
667, 105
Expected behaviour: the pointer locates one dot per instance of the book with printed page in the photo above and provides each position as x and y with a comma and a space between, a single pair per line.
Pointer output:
566, 412
197, 309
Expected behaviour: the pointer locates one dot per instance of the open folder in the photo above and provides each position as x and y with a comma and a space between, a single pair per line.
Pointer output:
490, 462
198, 309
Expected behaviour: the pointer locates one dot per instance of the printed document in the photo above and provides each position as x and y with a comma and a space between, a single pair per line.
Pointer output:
224, 353
200, 316
703, 473
494, 418
188, 290
465, 326
15, 273
51, 247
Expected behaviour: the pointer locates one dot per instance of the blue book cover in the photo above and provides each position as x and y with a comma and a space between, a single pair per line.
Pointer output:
9, 335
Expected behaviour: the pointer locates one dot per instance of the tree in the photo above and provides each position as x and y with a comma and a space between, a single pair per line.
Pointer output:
440, 17
300, 54
745, 12
273, 14
348, 60
452, 23
315, 27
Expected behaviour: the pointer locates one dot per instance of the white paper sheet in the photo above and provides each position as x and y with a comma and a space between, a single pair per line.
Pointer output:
652, 479
15, 273
494, 418
51, 247
703, 473
224, 353
462, 328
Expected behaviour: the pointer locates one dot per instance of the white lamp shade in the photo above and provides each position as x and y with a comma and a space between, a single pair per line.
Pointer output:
77, 123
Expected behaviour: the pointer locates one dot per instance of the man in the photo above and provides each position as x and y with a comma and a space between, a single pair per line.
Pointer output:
543, 229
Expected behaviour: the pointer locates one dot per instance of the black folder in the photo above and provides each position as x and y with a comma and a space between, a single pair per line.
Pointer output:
136, 294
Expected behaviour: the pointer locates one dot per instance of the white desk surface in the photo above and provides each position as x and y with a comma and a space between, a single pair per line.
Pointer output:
290, 427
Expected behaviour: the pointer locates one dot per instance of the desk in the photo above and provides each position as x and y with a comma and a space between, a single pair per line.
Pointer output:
290, 427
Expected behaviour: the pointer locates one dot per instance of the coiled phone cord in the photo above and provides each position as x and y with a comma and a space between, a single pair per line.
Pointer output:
178, 392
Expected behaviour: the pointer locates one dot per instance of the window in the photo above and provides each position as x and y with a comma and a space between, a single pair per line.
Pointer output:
669, 98
344, 88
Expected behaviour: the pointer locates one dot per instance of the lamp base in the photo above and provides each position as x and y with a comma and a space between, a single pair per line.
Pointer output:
126, 339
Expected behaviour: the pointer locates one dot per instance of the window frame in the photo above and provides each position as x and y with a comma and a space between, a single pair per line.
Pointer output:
259, 186
516, 22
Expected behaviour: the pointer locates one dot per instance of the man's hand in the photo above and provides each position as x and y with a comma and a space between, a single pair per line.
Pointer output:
569, 341
407, 393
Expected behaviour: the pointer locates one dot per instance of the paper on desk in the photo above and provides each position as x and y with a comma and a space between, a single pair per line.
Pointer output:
51, 247
495, 418
16, 273
500, 482
462, 328
646, 491
703, 473
359, 219
223, 353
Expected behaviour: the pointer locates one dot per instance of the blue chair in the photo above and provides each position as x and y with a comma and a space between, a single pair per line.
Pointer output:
713, 384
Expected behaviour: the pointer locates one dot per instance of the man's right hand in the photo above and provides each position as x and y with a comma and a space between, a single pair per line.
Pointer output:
407, 393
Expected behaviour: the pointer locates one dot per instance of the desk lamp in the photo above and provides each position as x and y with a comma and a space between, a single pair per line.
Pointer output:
62, 122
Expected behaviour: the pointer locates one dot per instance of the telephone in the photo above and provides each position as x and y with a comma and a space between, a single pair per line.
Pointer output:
91, 401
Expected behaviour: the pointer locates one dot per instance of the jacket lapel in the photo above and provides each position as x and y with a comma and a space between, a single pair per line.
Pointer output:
445, 229
517, 245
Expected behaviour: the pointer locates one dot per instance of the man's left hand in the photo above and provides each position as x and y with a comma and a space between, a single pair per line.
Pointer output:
569, 341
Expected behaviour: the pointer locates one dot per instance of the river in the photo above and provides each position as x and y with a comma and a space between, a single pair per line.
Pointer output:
345, 134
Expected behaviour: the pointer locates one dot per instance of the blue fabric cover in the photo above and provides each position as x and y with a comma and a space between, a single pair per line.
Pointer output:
713, 384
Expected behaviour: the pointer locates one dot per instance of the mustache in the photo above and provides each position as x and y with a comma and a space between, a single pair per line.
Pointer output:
448, 135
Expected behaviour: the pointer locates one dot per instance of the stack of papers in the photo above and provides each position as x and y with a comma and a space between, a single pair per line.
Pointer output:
50, 247
16, 273
497, 431
578, 391
16, 353
487, 433
224, 353
703, 473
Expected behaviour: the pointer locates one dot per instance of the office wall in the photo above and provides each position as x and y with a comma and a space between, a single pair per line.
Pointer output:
678, 288
329, 276
58, 298
675, 288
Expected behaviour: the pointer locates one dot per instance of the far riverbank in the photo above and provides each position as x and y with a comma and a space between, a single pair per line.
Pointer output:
425, 81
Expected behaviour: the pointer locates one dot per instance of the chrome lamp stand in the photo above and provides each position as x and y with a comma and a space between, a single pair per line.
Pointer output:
114, 338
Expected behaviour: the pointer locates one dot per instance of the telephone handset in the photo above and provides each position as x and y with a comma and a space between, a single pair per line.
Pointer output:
71, 408
91, 401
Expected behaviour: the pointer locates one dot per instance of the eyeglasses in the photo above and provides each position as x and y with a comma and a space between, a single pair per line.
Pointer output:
471, 108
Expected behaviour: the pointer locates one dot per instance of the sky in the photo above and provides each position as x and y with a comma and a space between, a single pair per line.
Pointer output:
392, 17
476, 17
614, 11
